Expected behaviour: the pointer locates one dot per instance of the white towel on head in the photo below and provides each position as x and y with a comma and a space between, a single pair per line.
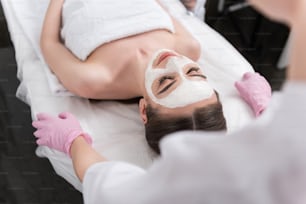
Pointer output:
88, 24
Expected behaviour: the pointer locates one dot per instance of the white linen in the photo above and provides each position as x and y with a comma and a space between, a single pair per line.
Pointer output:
264, 163
87, 24
116, 128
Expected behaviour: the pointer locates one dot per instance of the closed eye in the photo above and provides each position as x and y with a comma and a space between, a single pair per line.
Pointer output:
163, 79
166, 87
195, 72
165, 83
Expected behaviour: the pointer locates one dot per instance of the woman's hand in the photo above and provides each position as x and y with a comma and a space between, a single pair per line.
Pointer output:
255, 90
280, 10
58, 132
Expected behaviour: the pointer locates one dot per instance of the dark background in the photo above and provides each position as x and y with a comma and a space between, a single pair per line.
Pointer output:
28, 179
24, 177
258, 39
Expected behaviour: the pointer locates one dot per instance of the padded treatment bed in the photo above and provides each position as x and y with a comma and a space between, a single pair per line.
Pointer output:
116, 128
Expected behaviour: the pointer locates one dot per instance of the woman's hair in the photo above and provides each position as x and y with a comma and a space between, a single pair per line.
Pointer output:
208, 118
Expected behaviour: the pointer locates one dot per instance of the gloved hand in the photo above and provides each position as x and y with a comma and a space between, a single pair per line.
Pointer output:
58, 132
255, 90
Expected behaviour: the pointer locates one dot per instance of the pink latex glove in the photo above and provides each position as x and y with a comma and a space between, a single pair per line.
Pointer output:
255, 90
58, 132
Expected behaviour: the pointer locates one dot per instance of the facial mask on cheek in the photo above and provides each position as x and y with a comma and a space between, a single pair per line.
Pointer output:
187, 92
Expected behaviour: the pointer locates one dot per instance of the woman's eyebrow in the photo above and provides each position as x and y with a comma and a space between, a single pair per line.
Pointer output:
166, 88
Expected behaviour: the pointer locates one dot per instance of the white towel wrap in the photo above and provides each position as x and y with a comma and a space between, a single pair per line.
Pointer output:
88, 24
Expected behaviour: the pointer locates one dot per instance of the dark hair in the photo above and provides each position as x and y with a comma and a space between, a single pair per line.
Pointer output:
209, 118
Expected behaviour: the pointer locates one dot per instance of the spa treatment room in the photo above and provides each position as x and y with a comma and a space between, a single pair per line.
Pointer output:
156, 101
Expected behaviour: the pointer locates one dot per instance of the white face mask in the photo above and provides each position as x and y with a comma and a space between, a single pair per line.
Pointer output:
188, 91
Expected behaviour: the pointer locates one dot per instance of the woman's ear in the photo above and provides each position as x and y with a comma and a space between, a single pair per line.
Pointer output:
142, 110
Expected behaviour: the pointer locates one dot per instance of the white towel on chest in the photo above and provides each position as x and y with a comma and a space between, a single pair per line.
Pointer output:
87, 24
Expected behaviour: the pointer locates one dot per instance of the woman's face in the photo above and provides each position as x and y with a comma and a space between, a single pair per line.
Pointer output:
175, 81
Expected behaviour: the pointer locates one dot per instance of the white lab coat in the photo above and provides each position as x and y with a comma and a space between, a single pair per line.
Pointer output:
264, 163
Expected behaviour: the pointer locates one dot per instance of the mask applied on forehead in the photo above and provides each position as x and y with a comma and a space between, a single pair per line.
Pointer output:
187, 92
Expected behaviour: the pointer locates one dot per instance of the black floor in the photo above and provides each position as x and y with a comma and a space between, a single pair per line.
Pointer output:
24, 177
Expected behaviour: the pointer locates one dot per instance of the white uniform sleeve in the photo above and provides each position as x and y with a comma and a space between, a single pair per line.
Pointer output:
263, 163
111, 183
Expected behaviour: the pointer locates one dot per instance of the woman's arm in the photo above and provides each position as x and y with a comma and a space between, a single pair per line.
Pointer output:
184, 34
178, 27
52, 23
77, 76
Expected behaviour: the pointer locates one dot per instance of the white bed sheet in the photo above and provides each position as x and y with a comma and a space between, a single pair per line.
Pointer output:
116, 128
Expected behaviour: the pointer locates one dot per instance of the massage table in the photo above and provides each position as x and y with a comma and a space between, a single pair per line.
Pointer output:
116, 128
